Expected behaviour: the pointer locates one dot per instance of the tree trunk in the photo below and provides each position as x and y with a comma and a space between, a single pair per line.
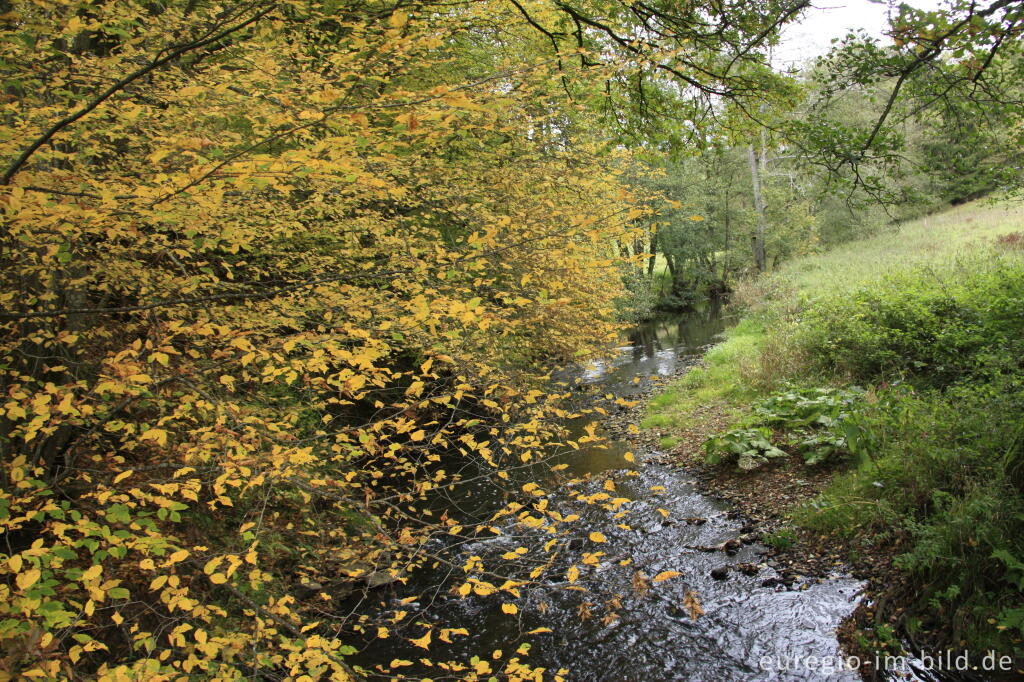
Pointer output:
654, 253
725, 259
757, 241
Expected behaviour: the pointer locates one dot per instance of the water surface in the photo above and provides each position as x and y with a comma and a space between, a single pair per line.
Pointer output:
622, 625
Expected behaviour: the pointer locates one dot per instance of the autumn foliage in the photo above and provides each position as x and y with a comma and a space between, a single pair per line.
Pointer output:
268, 270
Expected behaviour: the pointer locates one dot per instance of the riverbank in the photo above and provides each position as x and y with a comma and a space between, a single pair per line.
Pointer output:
759, 499
872, 397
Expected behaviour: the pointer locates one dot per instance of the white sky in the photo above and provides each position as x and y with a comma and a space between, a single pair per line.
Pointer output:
834, 19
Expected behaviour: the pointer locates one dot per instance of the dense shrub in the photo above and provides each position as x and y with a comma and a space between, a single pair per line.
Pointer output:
921, 325
943, 477
941, 457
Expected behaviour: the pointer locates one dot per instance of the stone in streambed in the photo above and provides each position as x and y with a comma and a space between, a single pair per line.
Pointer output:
748, 568
720, 572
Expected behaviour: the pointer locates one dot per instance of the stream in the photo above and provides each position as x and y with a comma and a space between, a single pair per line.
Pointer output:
622, 625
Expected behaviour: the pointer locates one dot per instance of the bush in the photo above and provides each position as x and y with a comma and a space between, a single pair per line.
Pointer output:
917, 324
814, 421
942, 469
750, 448
943, 477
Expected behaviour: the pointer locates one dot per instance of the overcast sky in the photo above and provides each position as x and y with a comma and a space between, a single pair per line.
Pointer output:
834, 19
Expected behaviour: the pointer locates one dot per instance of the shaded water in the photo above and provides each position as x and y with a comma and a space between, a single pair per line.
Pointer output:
656, 348
621, 625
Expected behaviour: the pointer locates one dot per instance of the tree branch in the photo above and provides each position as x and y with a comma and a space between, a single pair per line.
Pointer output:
68, 120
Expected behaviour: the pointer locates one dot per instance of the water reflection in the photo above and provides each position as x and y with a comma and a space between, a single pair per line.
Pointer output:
654, 348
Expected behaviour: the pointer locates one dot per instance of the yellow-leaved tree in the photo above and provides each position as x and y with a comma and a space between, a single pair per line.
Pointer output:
280, 277
270, 270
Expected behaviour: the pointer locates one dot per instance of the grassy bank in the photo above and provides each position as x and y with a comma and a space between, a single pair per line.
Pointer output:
896, 362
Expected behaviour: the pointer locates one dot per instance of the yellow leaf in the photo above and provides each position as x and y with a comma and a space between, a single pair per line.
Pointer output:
15, 563
93, 573
158, 436
398, 19
28, 578
510, 609
598, 537
180, 555
123, 475
484, 588
666, 575
382, 632
572, 574
446, 633
218, 578
537, 631
424, 641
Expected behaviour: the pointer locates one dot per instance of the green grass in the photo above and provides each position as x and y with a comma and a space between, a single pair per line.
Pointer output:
932, 241
668, 442
717, 382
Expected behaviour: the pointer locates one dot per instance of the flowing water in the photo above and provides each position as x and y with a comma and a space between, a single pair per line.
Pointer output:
622, 625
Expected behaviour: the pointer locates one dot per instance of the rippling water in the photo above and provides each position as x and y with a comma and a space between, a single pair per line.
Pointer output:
623, 626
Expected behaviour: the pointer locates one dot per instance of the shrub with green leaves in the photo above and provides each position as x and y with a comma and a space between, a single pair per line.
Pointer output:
749, 448
813, 421
940, 476
937, 327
